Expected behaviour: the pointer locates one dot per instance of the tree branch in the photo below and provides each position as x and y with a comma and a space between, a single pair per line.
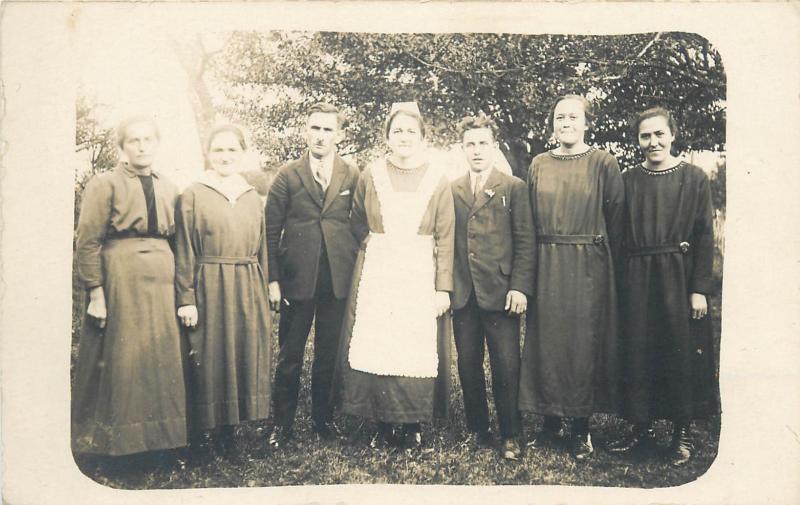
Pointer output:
648, 45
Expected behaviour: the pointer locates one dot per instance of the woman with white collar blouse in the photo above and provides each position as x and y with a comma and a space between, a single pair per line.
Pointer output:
221, 257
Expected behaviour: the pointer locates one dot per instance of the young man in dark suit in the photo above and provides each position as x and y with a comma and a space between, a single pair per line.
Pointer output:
494, 268
311, 257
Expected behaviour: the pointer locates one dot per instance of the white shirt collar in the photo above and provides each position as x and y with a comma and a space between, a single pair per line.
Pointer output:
323, 166
483, 176
231, 187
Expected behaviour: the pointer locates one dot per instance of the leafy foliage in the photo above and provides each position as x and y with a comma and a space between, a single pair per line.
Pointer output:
272, 77
93, 141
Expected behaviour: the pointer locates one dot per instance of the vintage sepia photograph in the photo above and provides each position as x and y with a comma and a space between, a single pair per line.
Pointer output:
427, 196
395, 252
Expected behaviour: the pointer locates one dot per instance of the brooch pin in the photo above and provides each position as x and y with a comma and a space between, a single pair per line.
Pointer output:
489, 192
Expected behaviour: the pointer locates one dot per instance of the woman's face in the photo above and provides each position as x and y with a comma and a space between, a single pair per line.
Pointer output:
569, 122
405, 136
655, 139
140, 144
225, 153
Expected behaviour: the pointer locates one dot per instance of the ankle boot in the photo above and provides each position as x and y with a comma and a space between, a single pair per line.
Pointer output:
642, 437
412, 436
582, 448
682, 447
552, 433
384, 436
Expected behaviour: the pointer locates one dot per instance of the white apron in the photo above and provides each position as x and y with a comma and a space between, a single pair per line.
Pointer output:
395, 319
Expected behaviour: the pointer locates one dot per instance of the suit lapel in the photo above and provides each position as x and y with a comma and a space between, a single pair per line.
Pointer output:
304, 171
337, 178
487, 193
463, 190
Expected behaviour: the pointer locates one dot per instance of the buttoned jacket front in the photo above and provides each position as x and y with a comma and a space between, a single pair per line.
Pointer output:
299, 217
494, 241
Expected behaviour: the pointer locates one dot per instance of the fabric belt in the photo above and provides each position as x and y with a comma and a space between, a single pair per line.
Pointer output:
228, 260
682, 248
132, 234
571, 239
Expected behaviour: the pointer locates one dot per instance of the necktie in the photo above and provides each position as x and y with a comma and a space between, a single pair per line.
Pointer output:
323, 181
477, 187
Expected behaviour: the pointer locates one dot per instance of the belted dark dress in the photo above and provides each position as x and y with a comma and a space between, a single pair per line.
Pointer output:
569, 358
668, 365
221, 255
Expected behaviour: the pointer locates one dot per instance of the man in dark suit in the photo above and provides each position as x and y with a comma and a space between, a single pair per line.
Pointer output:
494, 269
311, 257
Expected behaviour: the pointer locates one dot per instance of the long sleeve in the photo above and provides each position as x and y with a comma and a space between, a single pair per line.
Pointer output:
277, 203
359, 224
531, 181
263, 248
524, 240
184, 250
444, 235
614, 206
703, 237
93, 225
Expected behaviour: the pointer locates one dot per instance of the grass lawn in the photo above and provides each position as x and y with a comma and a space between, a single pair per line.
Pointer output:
451, 461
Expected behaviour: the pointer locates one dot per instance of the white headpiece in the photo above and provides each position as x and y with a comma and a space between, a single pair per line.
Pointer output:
410, 107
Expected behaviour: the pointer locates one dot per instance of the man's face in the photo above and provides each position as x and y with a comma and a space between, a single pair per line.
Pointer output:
479, 147
322, 133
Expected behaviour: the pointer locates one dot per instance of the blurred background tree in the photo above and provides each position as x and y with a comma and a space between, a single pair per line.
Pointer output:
95, 146
268, 79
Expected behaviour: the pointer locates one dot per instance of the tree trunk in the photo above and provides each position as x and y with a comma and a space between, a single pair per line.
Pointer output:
194, 60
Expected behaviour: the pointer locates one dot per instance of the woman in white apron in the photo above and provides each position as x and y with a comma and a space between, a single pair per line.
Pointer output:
394, 359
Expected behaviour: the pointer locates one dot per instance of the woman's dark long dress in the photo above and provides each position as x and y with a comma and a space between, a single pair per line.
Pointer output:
569, 359
668, 365
385, 397
128, 395
221, 254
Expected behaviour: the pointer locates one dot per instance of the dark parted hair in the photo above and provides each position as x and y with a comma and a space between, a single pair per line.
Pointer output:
475, 123
235, 129
588, 110
388, 123
122, 129
328, 108
651, 113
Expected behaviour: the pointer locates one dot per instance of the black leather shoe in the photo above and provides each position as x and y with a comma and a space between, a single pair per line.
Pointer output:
384, 437
225, 440
642, 438
280, 436
582, 448
201, 448
510, 449
548, 438
413, 440
412, 437
682, 447
326, 430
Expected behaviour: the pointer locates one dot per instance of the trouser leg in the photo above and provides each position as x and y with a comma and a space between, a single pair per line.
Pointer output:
469, 340
502, 338
327, 332
295, 323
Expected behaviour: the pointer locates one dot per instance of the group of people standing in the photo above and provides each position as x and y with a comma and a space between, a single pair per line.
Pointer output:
610, 270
